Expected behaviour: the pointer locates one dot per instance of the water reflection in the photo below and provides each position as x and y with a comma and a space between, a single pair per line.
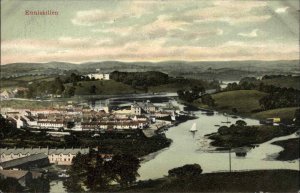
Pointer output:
192, 148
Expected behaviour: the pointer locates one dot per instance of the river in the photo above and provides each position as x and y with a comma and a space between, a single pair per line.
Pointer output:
187, 148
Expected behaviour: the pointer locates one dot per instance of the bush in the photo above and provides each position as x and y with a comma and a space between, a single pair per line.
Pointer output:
186, 171
224, 130
240, 123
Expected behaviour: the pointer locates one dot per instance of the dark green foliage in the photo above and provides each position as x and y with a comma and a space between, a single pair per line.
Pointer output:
97, 173
208, 100
188, 170
10, 185
240, 123
238, 135
70, 91
234, 110
93, 89
140, 79
278, 97
39, 185
190, 95
297, 117
7, 128
224, 130
242, 181
124, 167
291, 149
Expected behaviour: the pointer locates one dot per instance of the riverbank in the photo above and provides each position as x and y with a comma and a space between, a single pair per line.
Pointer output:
290, 149
249, 181
245, 103
239, 136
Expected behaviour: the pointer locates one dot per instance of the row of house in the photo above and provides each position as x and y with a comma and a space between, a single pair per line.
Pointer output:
62, 156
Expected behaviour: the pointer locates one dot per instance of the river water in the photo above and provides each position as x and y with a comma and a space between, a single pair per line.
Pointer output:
187, 148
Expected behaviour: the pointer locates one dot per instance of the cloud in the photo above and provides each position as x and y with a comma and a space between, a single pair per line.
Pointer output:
124, 10
96, 16
224, 11
251, 34
148, 50
281, 9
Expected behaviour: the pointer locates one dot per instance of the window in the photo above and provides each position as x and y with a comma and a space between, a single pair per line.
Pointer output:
65, 159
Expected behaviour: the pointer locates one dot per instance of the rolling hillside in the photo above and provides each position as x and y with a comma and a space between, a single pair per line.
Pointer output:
244, 101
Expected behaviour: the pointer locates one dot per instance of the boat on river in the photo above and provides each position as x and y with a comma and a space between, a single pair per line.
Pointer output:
193, 128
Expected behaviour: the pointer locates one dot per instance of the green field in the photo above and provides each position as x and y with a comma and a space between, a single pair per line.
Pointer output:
244, 101
288, 82
283, 113
23, 81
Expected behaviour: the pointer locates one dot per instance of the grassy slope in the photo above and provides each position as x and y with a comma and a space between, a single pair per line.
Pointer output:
23, 81
288, 82
284, 113
251, 181
244, 101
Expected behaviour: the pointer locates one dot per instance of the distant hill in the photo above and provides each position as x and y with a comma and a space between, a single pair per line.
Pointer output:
224, 70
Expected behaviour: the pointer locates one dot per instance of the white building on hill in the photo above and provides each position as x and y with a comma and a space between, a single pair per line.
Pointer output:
99, 76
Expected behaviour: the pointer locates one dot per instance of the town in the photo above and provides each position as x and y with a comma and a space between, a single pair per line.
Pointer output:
59, 122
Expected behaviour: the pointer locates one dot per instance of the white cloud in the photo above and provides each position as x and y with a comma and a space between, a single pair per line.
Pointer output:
148, 50
230, 12
96, 16
251, 34
124, 10
281, 9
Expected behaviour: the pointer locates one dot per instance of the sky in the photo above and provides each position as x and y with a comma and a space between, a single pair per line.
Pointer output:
149, 30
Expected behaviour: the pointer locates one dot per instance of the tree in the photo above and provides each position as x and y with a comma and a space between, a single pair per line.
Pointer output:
70, 124
208, 100
93, 89
224, 130
234, 110
39, 185
73, 184
188, 170
10, 185
240, 123
7, 129
71, 91
125, 167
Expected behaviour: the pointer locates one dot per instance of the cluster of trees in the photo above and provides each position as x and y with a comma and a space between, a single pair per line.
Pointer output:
140, 79
97, 174
192, 94
239, 134
274, 76
277, 97
10, 185
7, 128
208, 100
56, 86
